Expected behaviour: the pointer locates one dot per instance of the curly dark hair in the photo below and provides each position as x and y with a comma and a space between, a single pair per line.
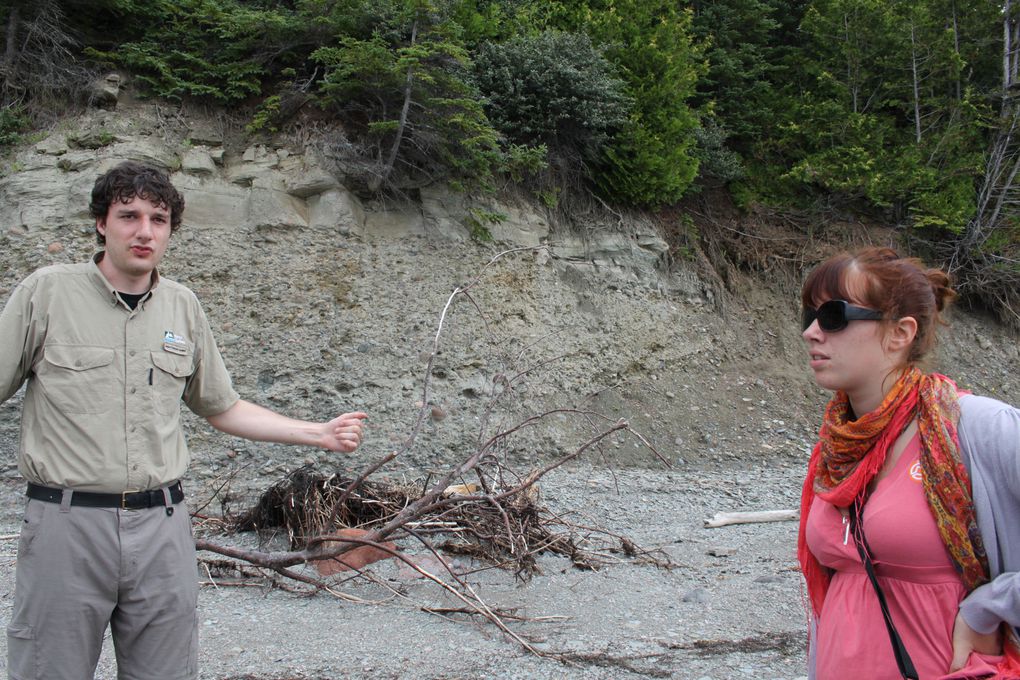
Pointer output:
130, 180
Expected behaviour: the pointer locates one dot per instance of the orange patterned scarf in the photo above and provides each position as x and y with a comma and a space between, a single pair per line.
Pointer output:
849, 454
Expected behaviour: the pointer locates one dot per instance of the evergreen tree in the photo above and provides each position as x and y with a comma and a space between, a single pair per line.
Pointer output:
738, 87
408, 83
217, 49
892, 119
652, 159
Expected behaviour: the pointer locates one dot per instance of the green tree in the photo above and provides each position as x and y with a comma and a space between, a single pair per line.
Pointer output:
408, 81
552, 89
217, 49
12, 123
652, 159
738, 86
891, 119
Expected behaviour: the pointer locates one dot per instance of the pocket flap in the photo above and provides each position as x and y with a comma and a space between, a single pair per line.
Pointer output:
20, 632
77, 357
177, 365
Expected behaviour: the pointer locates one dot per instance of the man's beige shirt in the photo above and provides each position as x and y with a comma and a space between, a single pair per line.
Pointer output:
105, 383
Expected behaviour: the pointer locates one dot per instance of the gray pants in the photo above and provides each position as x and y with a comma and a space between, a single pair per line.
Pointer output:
80, 569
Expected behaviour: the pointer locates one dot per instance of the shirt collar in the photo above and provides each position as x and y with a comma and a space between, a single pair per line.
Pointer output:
104, 286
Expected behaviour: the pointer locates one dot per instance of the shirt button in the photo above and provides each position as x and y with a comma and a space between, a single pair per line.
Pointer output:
133, 390
132, 352
132, 428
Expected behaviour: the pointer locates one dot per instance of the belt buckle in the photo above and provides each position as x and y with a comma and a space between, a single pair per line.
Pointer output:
123, 499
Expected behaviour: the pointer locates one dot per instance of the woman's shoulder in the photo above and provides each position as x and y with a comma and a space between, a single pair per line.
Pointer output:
989, 426
975, 408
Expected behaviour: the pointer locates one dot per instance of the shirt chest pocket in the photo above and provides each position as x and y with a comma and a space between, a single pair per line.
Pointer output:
79, 379
169, 378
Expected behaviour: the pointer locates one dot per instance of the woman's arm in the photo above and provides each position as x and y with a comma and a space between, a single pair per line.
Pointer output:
990, 444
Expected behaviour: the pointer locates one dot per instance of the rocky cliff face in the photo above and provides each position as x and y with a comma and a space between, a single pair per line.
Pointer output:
323, 302
269, 188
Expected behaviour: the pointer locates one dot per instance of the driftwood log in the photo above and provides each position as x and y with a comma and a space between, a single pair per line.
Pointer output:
722, 519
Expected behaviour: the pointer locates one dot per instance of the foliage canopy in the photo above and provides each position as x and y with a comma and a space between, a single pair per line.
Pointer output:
900, 108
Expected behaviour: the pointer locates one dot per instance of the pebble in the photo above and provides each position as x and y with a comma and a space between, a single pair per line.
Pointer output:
696, 596
769, 578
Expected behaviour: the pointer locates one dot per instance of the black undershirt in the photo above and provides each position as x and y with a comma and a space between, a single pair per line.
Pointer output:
132, 299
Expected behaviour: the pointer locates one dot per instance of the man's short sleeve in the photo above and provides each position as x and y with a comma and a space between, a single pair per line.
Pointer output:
19, 340
209, 390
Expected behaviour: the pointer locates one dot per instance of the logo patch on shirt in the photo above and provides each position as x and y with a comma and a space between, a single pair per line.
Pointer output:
175, 344
915, 471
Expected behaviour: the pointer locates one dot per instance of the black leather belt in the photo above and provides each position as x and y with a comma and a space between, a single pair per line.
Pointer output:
129, 500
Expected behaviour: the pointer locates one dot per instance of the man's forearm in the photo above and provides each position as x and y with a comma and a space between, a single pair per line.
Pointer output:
251, 421
245, 419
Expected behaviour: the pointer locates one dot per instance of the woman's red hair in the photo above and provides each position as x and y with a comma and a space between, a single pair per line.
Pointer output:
879, 278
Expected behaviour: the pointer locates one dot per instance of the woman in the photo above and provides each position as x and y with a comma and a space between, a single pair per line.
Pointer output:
921, 479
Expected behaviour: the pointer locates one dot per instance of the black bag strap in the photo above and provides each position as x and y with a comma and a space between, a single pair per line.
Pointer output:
903, 661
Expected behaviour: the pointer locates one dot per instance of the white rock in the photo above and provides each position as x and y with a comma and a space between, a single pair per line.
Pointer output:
212, 203
198, 162
394, 222
271, 209
336, 209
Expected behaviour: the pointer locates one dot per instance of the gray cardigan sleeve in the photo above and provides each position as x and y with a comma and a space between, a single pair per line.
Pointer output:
990, 444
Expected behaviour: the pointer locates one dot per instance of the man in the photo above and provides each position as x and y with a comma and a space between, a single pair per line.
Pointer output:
109, 349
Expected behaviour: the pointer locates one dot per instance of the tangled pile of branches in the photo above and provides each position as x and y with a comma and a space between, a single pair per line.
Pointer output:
505, 529
40, 70
479, 507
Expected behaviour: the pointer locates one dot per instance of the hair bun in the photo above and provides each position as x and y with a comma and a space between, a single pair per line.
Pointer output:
941, 286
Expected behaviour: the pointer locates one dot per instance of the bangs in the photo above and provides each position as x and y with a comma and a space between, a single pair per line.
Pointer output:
827, 281
142, 191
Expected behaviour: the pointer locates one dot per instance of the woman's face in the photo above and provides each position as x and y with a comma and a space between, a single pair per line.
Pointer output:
847, 359
856, 359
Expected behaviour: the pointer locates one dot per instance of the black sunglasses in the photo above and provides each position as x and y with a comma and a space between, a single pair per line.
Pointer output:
835, 315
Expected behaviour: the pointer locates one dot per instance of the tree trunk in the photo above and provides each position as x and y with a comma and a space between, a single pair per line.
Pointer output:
956, 51
917, 89
851, 73
12, 33
402, 125
1015, 46
1007, 46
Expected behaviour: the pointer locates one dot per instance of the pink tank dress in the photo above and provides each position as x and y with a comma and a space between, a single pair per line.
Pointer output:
915, 571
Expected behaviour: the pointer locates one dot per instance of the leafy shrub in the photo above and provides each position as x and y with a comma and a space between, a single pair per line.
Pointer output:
479, 221
214, 49
553, 89
521, 161
715, 160
13, 122
265, 115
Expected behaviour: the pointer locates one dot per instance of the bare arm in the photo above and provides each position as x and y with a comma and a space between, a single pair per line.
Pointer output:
250, 421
